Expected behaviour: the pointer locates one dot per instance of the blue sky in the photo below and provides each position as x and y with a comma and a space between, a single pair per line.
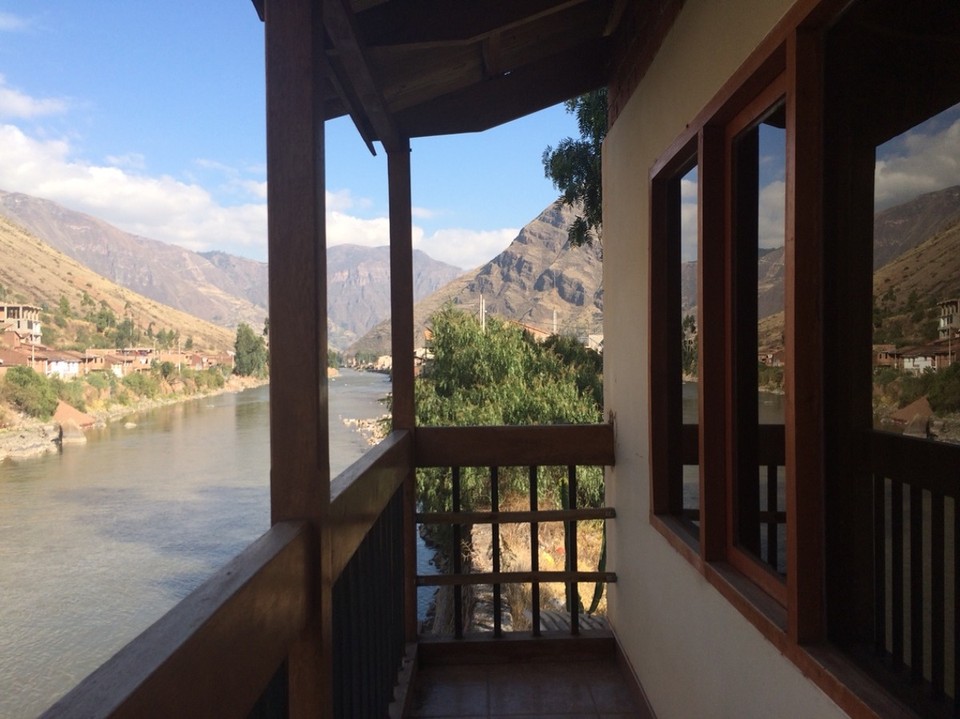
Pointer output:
151, 116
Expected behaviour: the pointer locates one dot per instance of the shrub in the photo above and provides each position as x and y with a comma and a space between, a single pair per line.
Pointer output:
32, 393
142, 384
70, 392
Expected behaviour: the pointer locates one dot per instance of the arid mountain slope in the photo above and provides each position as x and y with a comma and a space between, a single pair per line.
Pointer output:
537, 275
31, 272
358, 287
169, 274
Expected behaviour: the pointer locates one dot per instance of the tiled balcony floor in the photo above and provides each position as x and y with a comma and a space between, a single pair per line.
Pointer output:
572, 690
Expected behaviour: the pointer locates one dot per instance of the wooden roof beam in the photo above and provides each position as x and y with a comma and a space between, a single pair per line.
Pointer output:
511, 95
358, 88
431, 23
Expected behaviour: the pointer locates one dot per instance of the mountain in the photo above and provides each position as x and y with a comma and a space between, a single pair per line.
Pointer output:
169, 274
916, 265
897, 231
32, 272
217, 286
538, 275
358, 287
901, 228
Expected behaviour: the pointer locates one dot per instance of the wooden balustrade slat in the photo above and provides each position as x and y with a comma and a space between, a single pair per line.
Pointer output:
218, 647
937, 571
880, 563
570, 529
457, 559
956, 607
896, 572
916, 583
534, 551
542, 445
495, 545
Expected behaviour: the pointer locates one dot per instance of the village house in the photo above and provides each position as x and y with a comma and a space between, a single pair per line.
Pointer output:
793, 569
23, 319
949, 324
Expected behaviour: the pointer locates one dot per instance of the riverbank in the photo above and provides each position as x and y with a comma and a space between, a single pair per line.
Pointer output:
26, 437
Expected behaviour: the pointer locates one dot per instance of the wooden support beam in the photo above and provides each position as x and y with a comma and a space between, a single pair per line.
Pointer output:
429, 23
299, 446
352, 62
523, 90
803, 290
402, 345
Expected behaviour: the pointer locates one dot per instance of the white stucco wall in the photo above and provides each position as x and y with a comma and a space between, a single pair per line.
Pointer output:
694, 653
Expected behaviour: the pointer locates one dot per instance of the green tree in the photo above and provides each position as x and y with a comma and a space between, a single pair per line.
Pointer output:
251, 352
32, 393
574, 166
501, 377
63, 307
104, 319
126, 334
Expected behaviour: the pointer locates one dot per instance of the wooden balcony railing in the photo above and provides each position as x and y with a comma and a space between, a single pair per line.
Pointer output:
220, 651
223, 650
532, 448
916, 531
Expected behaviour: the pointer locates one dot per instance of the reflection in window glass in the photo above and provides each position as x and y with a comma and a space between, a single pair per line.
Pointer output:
916, 280
760, 197
690, 373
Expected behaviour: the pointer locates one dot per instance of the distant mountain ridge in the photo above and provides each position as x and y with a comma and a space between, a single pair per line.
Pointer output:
166, 273
32, 272
216, 286
896, 231
538, 275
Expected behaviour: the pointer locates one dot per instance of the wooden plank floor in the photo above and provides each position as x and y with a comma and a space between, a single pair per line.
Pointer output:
545, 689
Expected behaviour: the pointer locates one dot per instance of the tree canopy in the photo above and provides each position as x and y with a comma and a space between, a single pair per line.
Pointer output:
501, 376
251, 352
574, 167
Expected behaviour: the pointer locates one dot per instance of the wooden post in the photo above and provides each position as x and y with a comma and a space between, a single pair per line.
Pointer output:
402, 345
299, 448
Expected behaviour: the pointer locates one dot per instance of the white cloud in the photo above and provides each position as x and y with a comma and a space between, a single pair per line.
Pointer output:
922, 160
344, 229
161, 208
133, 160
15, 104
771, 228
465, 248
186, 213
12, 23
422, 213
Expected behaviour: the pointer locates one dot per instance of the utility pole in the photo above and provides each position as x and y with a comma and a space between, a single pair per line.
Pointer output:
483, 314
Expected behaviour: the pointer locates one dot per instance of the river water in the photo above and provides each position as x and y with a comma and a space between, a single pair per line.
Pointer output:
97, 542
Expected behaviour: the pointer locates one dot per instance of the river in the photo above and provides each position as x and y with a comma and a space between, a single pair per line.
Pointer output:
98, 541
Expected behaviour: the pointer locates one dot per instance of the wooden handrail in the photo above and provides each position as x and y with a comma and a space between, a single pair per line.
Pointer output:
361, 492
542, 445
543, 515
215, 651
521, 577
923, 463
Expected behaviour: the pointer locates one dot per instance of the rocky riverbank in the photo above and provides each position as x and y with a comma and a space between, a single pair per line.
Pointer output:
25, 437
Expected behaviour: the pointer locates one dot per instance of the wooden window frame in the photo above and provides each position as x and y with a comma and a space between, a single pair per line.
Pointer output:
739, 349
795, 619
